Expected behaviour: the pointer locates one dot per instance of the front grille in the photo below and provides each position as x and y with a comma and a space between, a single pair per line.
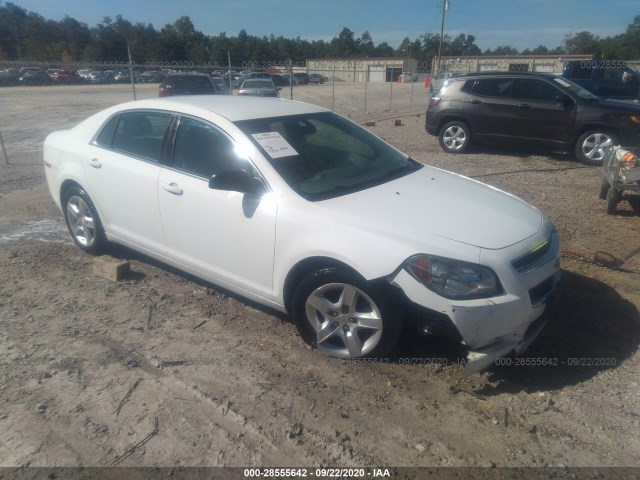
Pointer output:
528, 260
539, 293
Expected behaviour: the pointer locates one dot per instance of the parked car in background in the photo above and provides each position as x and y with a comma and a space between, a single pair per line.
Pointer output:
605, 78
53, 71
440, 80
247, 193
34, 77
301, 78
220, 84
258, 87
151, 76
100, 76
281, 80
316, 78
68, 77
122, 76
537, 108
247, 74
409, 77
188, 83
9, 77
85, 72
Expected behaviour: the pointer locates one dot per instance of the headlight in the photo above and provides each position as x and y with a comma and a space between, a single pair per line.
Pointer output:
453, 278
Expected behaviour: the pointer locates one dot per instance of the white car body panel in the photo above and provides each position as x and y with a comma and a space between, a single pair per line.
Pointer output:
250, 245
116, 184
234, 235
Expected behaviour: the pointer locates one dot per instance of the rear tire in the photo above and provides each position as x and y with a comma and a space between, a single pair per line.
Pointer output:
455, 137
83, 221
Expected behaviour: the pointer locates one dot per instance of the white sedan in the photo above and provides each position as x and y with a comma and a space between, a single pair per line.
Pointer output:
300, 209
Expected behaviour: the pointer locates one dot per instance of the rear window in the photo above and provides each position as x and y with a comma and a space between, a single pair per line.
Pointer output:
257, 84
493, 87
188, 84
581, 73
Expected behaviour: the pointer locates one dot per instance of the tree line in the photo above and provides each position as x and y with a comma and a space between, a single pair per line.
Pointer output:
28, 36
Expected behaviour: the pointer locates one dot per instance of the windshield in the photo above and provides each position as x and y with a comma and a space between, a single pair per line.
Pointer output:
323, 155
575, 88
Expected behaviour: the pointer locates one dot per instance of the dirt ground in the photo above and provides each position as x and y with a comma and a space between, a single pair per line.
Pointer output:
163, 370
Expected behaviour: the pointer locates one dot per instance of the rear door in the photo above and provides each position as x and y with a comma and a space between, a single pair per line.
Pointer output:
489, 106
122, 172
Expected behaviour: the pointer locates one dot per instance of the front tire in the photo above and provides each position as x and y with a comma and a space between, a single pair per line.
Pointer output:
82, 221
593, 146
344, 316
455, 137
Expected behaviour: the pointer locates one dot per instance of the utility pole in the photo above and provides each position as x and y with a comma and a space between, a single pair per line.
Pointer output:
445, 7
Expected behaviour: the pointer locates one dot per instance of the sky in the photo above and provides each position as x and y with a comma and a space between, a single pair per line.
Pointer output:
517, 23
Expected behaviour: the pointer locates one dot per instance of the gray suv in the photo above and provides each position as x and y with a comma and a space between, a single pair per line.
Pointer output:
533, 108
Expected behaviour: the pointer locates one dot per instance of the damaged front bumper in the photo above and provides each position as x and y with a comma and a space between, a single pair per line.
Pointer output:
479, 359
494, 327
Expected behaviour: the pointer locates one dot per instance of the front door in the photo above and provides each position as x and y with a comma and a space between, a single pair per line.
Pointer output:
227, 236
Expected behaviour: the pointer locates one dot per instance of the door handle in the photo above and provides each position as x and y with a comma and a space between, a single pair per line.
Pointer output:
523, 105
172, 188
475, 102
95, 163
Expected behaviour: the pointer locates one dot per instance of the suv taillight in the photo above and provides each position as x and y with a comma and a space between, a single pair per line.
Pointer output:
434, 101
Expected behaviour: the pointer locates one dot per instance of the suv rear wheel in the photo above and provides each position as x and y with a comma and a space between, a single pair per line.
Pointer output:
455, 137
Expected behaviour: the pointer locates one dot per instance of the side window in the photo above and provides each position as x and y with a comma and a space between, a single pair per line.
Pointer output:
493, 87
612, 74
141, 134
105, 138
534, 89
581, 72
468, 86
202, 150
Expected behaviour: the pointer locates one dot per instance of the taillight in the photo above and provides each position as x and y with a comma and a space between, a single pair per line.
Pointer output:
434, 101
164, 92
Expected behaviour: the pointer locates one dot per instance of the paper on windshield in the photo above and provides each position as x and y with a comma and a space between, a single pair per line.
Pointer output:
562, 82
274, 144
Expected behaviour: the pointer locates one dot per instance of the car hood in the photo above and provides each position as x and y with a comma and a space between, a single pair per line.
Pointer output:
622, 105
432, 202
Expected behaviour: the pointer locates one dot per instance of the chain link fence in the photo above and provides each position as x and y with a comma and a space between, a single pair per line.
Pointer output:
45, 103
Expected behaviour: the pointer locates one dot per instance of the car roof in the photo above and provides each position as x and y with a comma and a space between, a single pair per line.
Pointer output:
234, 108
509, 74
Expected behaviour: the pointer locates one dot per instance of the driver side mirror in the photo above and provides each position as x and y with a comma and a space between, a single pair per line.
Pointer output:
564, 99
237, 181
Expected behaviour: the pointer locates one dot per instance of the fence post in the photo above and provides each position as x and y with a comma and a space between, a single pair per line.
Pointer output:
133, 84
391, 90
4, 151
366, 80
411, 99
333, 88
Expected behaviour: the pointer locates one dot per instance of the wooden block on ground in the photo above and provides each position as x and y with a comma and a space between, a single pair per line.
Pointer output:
111, 268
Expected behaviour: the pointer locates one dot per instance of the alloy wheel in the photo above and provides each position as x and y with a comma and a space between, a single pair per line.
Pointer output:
81, 221
346, 321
